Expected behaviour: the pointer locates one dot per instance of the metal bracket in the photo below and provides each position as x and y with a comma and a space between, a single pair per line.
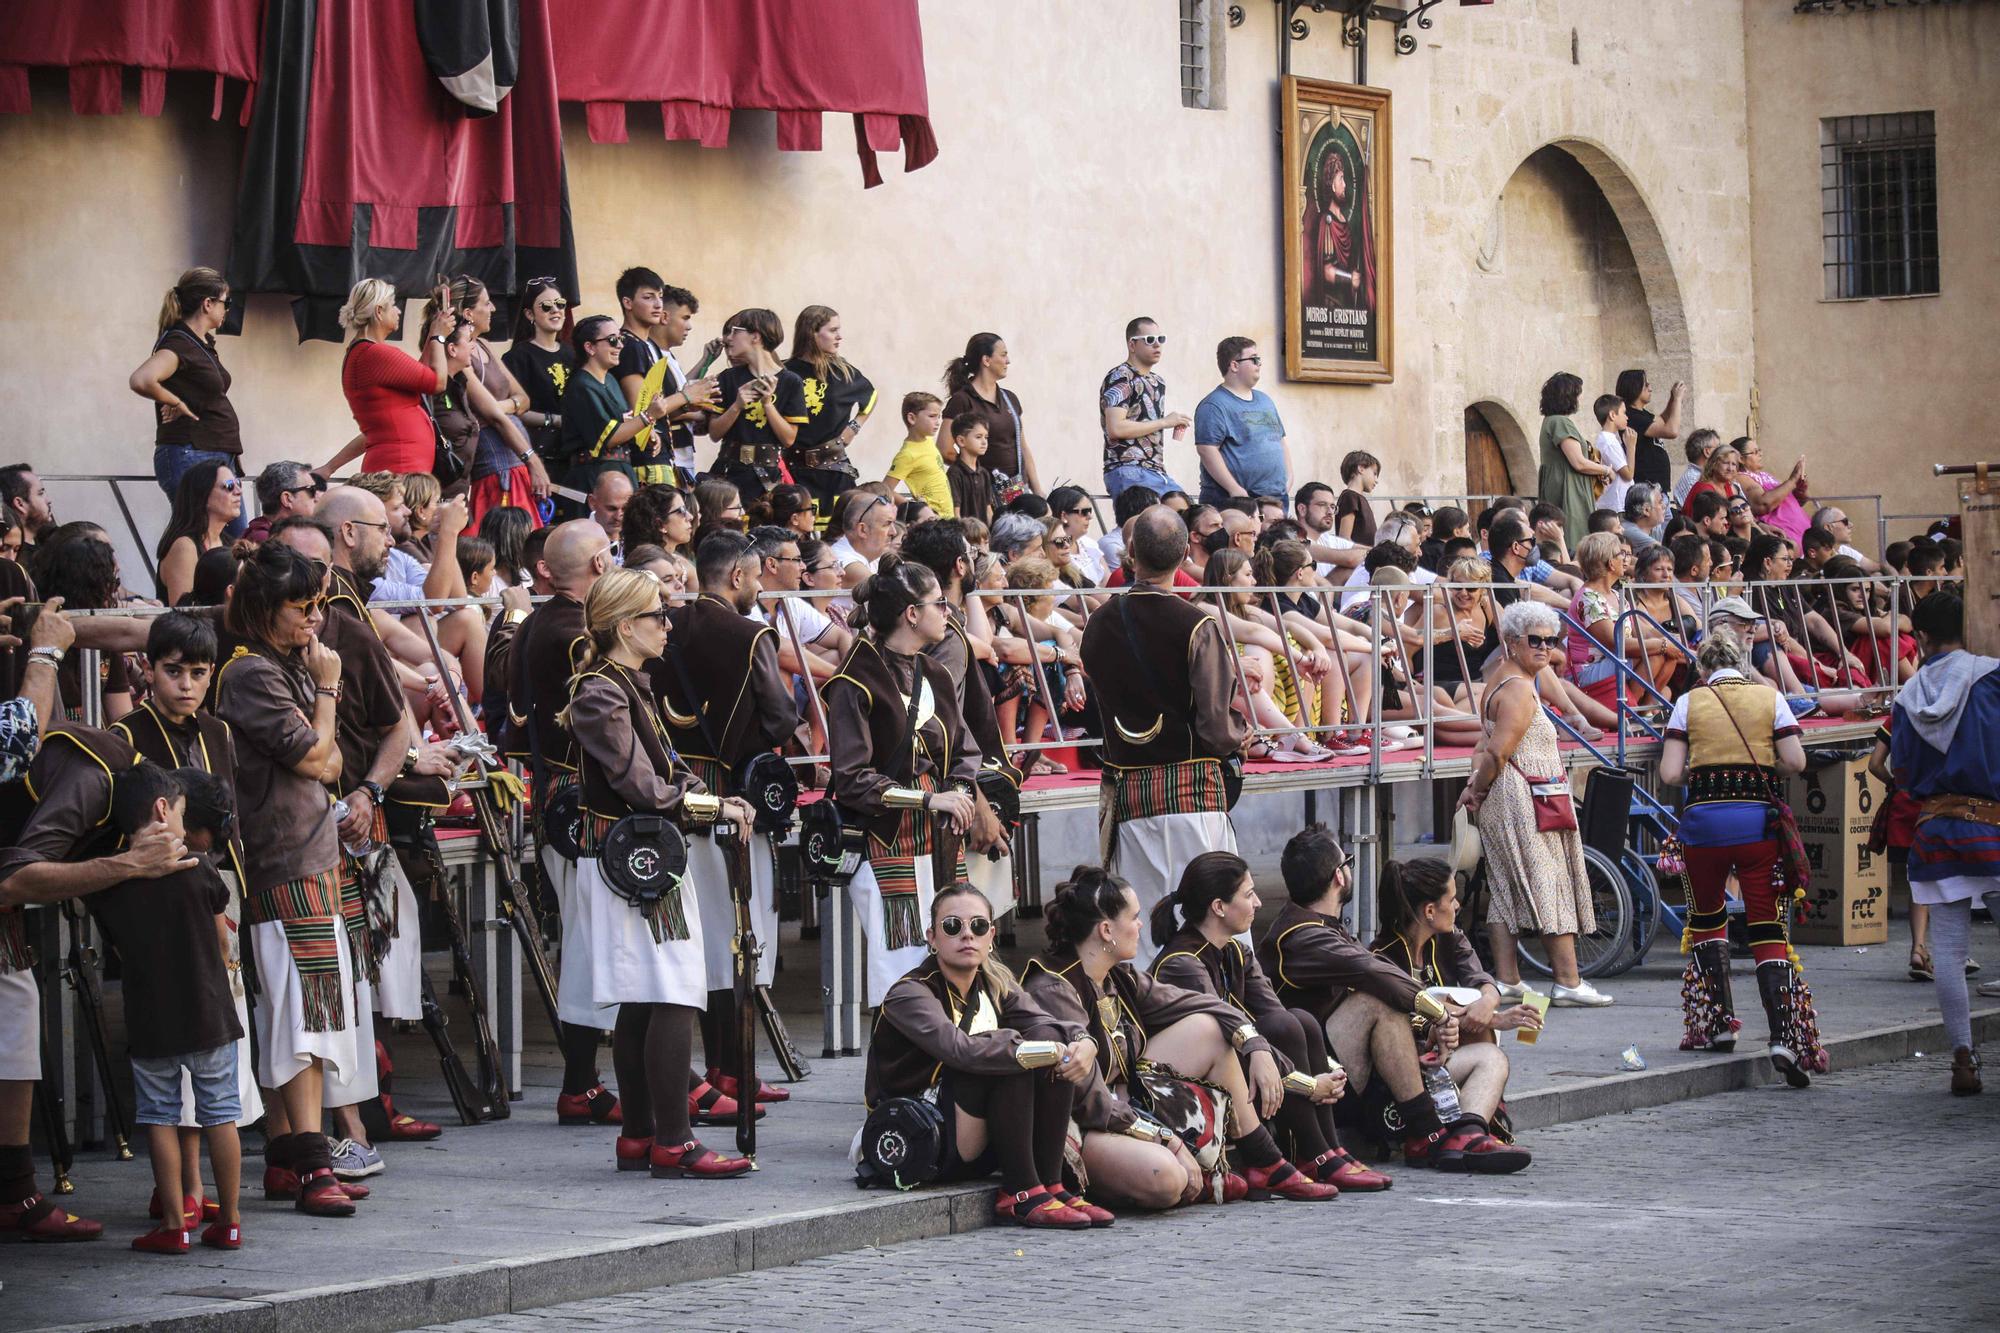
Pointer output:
1354, 16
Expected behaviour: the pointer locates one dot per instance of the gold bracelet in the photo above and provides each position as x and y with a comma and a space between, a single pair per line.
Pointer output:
1243, 1035
1300, 1082
1038, 1054
701, 807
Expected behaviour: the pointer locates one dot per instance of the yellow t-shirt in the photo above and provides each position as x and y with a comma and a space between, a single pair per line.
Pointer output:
919, 464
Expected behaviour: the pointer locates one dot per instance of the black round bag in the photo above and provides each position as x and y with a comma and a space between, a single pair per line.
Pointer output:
1002, 793
902, 1144
562, 822
772, 789
831, 847
643, 859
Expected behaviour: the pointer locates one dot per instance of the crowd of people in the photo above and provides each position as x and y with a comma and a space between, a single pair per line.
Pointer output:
535, 548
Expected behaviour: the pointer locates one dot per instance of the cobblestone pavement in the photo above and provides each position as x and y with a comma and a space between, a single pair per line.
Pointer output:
1866, 1202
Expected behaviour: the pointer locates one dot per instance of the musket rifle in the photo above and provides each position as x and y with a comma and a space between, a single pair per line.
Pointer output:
90, 1007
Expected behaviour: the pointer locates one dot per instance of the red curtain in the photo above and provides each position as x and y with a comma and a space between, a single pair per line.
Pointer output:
701, 59
97, 41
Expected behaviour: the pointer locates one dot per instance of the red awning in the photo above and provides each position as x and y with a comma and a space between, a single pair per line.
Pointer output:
702, 59
97, 42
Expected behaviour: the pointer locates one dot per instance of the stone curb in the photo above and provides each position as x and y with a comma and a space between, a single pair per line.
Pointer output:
503, 1286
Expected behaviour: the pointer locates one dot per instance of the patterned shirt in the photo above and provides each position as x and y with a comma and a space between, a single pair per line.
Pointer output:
1144, 398
20, 738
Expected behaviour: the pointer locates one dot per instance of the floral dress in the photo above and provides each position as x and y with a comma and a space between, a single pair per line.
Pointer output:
1537, 879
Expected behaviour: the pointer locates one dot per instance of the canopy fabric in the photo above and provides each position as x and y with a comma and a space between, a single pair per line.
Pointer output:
702, 59
97, 41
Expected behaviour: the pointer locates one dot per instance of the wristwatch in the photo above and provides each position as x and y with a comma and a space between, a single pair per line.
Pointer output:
374, 790
46, 652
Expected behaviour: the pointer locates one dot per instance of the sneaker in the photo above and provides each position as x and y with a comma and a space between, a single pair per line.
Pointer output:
1510, 990
1972, 967
1583, 995
1988, 989
355, 1161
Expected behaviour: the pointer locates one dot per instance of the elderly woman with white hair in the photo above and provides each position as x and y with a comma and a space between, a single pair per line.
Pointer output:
1016, 536
1519, 794
1732, 740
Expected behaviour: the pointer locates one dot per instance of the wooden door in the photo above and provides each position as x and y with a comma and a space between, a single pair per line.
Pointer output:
1485, 465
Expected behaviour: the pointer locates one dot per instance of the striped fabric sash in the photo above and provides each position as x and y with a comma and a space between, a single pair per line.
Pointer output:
895, 866
15, 955
1193, 787
309, 909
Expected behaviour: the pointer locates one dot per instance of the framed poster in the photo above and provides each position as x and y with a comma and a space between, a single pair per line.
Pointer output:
1339, 293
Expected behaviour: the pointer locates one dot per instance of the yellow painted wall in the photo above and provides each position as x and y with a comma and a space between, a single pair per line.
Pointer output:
1873, 392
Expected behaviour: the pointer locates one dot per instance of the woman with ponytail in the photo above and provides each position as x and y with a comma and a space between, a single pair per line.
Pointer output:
647, 961
1417, 904
1144, 1027
196, 423
480, 410
960, 1031
903, 764
972, 384
1204, 923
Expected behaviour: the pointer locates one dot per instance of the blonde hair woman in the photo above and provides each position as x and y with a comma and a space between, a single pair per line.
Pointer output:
646, 960
839, 401
385, 386
184, 375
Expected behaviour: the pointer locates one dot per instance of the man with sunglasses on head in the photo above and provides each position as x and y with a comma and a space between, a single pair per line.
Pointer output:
1238, 434
284, 489
1133, 400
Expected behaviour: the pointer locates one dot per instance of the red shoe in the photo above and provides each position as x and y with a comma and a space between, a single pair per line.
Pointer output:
162, 1241
1285, 1181
693, 1162
1473, 1149
210, 1209
1038, 1208
599, 1106
1099, 1217
1235, 1189
708, 1106
1422, 1150
223, 1236
320, 1195
409, 1129
282, 1183
634, 1154
766, 1093
1342, 1168
35, 1218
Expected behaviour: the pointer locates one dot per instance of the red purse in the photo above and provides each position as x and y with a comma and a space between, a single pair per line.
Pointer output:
1555, 808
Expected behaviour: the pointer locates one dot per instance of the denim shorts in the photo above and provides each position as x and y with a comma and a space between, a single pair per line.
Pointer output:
1117, 479
156, 1087
171, 462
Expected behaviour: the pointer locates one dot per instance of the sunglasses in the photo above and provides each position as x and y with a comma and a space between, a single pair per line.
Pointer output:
1083, 511
551, 307
1249, 360
1541, 640
1150, 339
232, 485
658, 613
954, 925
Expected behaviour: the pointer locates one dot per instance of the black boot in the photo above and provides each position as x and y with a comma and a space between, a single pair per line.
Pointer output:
1707, 1006
1774, 987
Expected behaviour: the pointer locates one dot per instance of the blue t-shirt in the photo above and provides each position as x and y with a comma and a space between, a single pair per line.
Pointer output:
1251, 436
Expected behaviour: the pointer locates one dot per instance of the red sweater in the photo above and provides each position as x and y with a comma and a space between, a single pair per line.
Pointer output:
385, 387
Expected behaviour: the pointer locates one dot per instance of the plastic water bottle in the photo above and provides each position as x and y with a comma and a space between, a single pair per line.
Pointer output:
1444, 1092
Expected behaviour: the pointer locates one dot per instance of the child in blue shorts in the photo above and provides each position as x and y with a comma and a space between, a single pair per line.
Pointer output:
179, 1010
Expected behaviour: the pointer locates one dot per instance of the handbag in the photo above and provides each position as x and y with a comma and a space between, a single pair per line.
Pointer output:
902, 1144
1555, 807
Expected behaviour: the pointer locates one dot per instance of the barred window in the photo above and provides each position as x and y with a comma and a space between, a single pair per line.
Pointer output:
1201, 54
1878, 205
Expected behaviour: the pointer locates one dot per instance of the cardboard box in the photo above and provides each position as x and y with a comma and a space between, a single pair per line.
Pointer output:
1848, 899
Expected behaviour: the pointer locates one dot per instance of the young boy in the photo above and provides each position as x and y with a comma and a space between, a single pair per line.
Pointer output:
918, 464
179, 1013
1353, 515
973, 484
174, 730
1613, 451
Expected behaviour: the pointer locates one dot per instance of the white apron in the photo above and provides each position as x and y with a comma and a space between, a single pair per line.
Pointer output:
886, 966
708, 870
573, 1002
626, 964
284, 1046
1151, 854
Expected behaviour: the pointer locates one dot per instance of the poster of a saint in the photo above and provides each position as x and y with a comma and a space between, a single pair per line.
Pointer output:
1337, 274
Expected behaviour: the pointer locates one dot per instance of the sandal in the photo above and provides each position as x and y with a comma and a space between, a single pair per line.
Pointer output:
1045, 767
1920, 963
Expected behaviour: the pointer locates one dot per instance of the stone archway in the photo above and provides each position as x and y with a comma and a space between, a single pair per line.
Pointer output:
1498, 460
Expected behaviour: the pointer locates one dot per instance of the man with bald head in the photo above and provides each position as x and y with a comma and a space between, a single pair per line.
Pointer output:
608, 498
1165, 686
547, 651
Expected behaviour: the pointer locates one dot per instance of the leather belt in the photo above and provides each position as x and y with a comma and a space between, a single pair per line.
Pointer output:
1977, 809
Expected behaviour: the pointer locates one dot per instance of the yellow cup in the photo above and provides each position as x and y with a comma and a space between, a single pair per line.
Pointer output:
1539, 1002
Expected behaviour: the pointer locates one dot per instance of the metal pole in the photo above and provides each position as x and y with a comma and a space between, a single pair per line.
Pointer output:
89, 666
